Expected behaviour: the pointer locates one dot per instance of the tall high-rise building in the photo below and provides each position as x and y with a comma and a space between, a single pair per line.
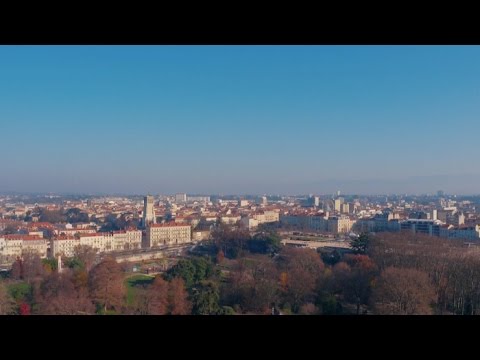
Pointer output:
148, 211
264, 200
313, 201
181, 198
338, 204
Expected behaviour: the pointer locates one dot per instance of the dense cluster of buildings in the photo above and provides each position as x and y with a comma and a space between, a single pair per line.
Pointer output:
162, 221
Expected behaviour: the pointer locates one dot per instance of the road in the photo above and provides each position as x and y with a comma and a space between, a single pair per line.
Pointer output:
317, 244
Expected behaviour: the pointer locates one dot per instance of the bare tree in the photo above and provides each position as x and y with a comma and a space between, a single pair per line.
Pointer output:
178, 298
355, 276
58, 296
303, 268
106, 284
32, 266
158, 297
402, 291
87, 255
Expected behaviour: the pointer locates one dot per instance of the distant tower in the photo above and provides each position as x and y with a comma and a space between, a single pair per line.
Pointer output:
264, 200
59, 264
338, 192
148, 211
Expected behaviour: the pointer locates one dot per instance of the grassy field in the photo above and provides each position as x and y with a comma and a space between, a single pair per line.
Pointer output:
134, 281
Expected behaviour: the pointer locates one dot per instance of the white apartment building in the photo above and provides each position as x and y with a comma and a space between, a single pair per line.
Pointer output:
340, 224
64, 245
13, 246
168, 234
127, 240
252, 221
333, 224
270, 216
72, 232
101, 242
249, 222
200, 199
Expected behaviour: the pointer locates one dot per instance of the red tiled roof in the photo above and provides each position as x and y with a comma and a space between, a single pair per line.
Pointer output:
22, 237
65, 238
93, 234
40, 224
167, 225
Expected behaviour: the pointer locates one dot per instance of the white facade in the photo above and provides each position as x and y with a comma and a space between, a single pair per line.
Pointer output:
101, 242
199, 199
64, 245
13, 246
168, 234
249, 223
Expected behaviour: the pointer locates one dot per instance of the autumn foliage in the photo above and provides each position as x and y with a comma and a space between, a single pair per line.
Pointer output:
106, 285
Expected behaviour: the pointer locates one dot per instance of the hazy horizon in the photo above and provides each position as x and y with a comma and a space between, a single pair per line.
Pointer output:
240, 119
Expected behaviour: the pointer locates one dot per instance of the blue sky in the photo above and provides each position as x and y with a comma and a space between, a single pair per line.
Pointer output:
240, 119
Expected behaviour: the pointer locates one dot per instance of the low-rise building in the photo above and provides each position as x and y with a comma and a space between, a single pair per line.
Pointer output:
249, 222
64, 245
340, 224
460, 232
127, 240
168, 234
230, 219
423, 226
13, 246
200, 235
101, 242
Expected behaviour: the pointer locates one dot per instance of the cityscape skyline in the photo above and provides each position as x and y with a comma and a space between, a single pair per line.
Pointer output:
239, 119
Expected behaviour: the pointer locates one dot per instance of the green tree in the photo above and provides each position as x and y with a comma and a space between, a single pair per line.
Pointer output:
204, 268
264, 243
205, 299
75, 215
6, 301
360, 244
331, 257
184, 269
49, 265
191, 271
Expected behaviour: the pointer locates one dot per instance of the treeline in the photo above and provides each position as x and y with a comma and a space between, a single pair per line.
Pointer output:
448, 271
73, 215
398, 273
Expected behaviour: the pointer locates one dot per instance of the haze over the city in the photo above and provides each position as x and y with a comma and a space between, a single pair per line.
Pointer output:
240, 119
